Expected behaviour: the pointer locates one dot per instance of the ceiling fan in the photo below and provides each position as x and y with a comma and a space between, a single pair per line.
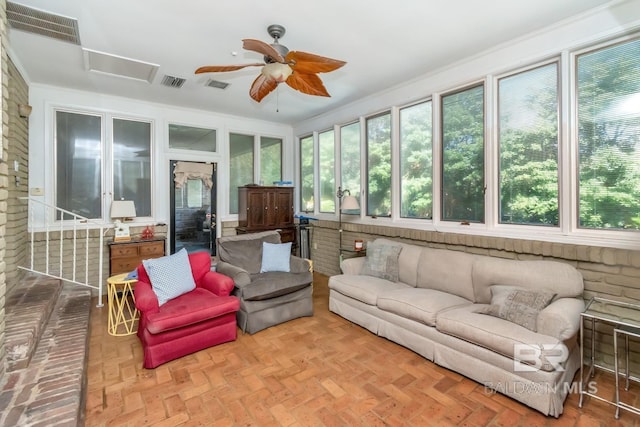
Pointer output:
296, 69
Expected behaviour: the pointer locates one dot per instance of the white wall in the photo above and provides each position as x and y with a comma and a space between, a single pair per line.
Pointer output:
45, 99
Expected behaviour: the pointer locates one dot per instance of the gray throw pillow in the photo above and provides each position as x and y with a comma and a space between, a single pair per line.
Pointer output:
382, 261
518, 305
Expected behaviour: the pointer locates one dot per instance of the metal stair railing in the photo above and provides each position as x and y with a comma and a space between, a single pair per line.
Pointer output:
73, 232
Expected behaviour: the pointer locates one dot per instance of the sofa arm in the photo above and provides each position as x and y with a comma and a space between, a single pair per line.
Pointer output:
146, 299
217, 283
561, 318
299, 265
240, 276
353, 265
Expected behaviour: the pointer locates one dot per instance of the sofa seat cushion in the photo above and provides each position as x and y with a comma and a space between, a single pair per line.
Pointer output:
503, 337
193, 307
363, 288
274, 284
421, 305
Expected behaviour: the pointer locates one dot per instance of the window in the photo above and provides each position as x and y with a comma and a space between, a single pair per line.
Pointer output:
306, 174
608, 92
79, 163
379, 165
192, 138
350, 158
463, 155
132, 163
528, 138
240, 166
270, 160
416, 161
326, 148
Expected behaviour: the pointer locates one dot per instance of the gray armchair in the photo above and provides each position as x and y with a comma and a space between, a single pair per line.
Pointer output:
266, 299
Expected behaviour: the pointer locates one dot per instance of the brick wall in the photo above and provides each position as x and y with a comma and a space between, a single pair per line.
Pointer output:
18, 185
607, 272
4, 180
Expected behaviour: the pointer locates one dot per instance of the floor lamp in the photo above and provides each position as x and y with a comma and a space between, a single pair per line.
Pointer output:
345, 201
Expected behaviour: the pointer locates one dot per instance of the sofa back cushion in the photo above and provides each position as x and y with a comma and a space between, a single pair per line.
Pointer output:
245, 250
563, 279
447, 271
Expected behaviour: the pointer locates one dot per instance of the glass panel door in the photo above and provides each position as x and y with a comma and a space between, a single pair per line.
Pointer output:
193, 208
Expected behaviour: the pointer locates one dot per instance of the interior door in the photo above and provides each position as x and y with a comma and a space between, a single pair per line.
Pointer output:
193, 208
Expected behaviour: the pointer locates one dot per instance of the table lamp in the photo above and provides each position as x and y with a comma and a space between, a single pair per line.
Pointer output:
122, 210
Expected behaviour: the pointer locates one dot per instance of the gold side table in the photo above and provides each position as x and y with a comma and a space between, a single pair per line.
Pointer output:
123, 313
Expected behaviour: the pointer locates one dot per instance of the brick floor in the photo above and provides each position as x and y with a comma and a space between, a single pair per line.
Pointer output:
51, 390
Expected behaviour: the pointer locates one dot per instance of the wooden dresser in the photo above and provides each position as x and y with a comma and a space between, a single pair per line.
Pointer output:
124, 257
262, 208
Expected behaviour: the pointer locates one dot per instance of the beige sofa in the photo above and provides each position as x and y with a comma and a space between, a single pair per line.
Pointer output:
437, 304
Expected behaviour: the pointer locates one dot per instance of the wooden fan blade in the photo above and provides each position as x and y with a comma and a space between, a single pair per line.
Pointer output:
261, 87
307, 83
309, 63
263, 48
221, 68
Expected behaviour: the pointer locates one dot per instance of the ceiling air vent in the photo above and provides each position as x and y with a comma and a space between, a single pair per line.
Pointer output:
172, 81
46, 24
217, 84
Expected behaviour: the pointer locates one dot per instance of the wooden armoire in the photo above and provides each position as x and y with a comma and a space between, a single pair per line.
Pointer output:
262, 208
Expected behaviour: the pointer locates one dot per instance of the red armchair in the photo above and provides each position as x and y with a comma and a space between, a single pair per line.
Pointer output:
201, 318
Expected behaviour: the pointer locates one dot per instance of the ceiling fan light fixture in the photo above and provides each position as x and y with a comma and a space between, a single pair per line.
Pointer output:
277, 71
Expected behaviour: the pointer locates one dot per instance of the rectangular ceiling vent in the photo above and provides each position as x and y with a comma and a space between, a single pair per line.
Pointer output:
217, 84
46, 24
119, 66
172, 81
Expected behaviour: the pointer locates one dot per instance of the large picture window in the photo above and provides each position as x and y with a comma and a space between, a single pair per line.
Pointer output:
379, 165
306, 174
416, 161
528, 141
326, 148
79, 157
240, 166
270, 160
132, 163
81, 160
608, 82
350, 158
463, 183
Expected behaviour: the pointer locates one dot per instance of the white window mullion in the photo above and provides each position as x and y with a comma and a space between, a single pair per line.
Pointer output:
567, 163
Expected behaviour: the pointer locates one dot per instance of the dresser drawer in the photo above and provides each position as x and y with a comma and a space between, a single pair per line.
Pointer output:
124, 251
151, 249
124, 265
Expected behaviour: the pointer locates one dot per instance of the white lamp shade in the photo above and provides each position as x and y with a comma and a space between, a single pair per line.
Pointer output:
350, 203
123, 209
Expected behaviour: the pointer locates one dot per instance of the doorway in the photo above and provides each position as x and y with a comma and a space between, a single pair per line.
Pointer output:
193, 206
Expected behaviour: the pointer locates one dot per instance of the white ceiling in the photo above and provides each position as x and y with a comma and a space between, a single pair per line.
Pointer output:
384, 43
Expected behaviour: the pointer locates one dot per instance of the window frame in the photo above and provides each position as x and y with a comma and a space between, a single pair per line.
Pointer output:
496, 153
566, 231
107, 183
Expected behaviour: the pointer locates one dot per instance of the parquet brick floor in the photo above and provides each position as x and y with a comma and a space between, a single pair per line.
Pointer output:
315, 371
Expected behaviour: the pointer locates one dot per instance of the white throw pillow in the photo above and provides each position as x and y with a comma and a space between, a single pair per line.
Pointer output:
276, 257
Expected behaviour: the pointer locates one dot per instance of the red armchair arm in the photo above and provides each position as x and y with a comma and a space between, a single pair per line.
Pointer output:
217, 283
146, 299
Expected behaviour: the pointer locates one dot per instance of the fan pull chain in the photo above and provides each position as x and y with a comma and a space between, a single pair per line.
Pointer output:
278, 98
